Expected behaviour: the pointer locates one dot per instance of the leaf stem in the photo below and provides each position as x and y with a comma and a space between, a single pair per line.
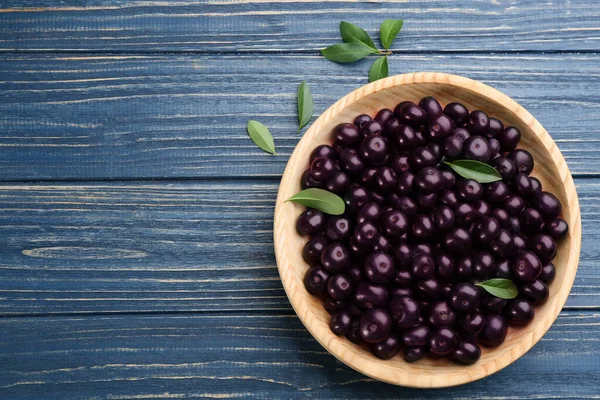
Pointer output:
385, 53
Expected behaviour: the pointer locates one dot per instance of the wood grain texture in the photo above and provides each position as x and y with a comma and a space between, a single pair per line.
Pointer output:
125, 117
550, 168
188, 246
431, 25
252, 356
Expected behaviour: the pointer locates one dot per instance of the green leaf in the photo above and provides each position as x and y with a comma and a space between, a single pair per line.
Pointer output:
347, 52
389, 30
305, 105
379, 69
321, 200
352, 33
261, 136
500, 287
471, 169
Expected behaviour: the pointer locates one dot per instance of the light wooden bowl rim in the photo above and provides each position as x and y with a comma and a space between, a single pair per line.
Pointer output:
415, 375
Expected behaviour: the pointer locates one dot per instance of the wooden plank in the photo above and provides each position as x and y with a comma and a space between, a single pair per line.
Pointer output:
153, 247
124, 117
252, 356
130, 25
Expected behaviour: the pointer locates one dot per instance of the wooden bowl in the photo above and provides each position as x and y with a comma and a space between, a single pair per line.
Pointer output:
550, 168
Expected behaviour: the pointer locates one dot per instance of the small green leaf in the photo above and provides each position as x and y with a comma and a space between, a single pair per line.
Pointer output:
500, 287
471, 169
321, 200
347, 52
389, 30
352, 33
305, 105
261, 136
379, 69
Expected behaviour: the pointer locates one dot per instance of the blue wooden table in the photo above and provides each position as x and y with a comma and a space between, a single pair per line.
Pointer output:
136, 215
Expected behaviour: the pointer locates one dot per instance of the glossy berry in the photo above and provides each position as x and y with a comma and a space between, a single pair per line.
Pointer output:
355, 273
526, 267
405, 204
547, 204
520, 242
536, 185
548, 273
422, 228
543, 246
478, 123
374, 149
338, 182
310, 222
422, 157
439, 127
428, 180
413, 354
355, 197
353, 334
405, 184
417, 336
502, 216
307, 181
426, 201
407, 138
367, 177
484, 266
443, 218
477, 148
473, 323
333, 306
402, 256
443, 341
495, 128
462, 133
362, 119
464, 298
335, 257
387, 348
429, 289
394, 223
469, 190
404, 311
366, 234
384, 115
522, 159
403, 278
503, 269
502, 246
458, 241
494, 145
464, 268
505, 167
509, 138
323, 150
441, 314
486, 230
464, 214
338, 228
431, 106
368, 295
494, 332
315, 280
311, 252
385, 179
410, 113
466, 353
452, 147
346, 134
531, 220
556, 228
375, 325
445, 266
514, 205
448, 198
514, 225
537, 291
400, 291
371, 212
371, 128
491, 304
322, 168
351, 162
379, 267
423, 267
377, 197
340, 287
457, 112
519, 312
340, 323
400, 163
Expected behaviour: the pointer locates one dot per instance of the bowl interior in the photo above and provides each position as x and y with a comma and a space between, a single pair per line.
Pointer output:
550, 169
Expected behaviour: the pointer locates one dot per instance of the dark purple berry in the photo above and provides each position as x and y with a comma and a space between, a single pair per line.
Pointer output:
522, 159
464, 214
496, 128
448, 198
536, 185
526, 266
464, 298
502, 246
477, 148
548, 273
338, 183
340, 323
440, 314
407, 205
497, 192
323, 150
417, 336
410, 113
384, 115
473, 323
322, 168
400, 163
385, 179
333, 306
494, 332
536, 291
429, 289
368, 295
307, 181
547, 204
478, 123
366, 234
503, 269
422, 228
458, 241
443, 341
404, 311
335, 258
426, 201
443, 218
466, 353
422, 157
405, 184
494, 148
556, 228
338, 228
531, 220
522, 184
315, 280
353, 334
379, 267
543, 246
509, 138
346, 134
371, 212
439, 127
402, 256
462, 133
520, 242
371, 128
464, 268
457, 112
483, 265
445, 266
505, 167
387, 348
355, 197
469, 190
519, 312
502, 216
313, 248
453, 146
375, 325
373, 149
310, 222
423, 267
351, 162
407, 138
394, 223
514, 205
361, 120
431, 106
413, 354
